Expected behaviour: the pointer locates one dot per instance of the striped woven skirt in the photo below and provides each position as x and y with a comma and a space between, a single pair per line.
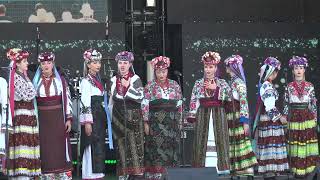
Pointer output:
303, 141
220, 147
271, 146
242, 156
24, 151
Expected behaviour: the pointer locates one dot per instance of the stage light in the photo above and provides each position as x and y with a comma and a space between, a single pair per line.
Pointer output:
107, 161
110, 161
150, 3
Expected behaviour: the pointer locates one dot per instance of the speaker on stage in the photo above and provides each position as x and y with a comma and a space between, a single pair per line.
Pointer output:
186, 147
192, 173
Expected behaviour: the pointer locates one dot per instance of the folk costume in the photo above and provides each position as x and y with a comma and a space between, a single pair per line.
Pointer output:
161, 108
242, 156
94, 110
54, 110
271, 146
23, 161
125, 103
3, 121
300, 107
207, 111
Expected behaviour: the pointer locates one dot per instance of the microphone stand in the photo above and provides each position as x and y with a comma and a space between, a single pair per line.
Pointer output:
125, 128
38, 40
107, 28
77, 98
182, 130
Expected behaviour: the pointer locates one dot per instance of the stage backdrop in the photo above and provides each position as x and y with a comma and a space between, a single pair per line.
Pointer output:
254, 42
68, 47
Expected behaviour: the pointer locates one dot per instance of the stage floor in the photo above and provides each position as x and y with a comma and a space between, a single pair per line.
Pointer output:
108, 177
114, 177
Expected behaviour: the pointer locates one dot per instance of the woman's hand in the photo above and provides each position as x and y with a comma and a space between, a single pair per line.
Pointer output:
283, 120
246, 129
125, 83
210, 84
146, 128
88, 129
68, 126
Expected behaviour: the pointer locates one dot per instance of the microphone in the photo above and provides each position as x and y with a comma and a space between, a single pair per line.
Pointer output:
6, 67
107, 27
177, 73
78, 73
121, 87
38, 34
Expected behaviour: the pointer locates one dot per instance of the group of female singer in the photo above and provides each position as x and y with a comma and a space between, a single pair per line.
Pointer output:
282, 142
144, 123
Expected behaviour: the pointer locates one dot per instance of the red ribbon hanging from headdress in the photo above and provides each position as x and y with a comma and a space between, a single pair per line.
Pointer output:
11, 89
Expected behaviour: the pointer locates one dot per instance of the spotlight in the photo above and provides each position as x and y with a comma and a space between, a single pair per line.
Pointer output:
150, 3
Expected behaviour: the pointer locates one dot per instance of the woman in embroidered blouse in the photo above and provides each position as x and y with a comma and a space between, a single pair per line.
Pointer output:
127, 86
300, 109
211, 134
94, 114
242, 156
3, 120
24, 155
269, 124
55, 116
161, 108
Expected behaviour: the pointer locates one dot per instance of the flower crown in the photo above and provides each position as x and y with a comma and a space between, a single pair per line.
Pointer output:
17, 54
160, 62
125, 56
46, 56
210, 58
92, 55
234, 59
298, 61
272, 61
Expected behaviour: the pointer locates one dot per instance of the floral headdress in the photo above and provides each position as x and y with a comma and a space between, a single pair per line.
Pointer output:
91, 55
17, 54
211, 58
160, 62
46, 56
125, 56
298, 61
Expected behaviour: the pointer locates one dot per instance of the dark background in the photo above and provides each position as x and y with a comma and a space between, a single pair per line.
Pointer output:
67, 41
294, 11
